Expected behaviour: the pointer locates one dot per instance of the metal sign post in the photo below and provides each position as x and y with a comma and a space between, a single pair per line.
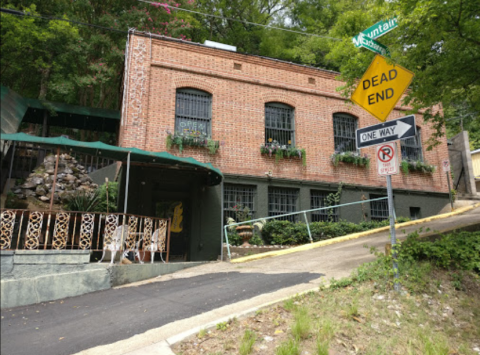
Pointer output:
393, 236
387, 163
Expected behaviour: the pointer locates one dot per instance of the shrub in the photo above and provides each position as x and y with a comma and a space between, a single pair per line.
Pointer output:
112, 197
455, 250
83, 201
288, 233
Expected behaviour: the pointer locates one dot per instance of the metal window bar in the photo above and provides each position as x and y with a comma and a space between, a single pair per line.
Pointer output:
344, 127
193, 113
238, 195
378, 209
279, 126
281, 201
317, 200
294, 213
411, 148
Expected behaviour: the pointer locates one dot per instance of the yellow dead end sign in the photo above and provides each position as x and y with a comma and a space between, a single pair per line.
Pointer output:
381, 87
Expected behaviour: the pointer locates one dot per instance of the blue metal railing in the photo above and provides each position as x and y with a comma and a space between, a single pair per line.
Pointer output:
296, 213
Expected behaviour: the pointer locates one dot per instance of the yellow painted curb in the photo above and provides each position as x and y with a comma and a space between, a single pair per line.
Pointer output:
323, 243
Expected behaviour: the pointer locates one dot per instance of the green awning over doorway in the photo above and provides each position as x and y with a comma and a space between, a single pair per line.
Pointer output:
119, 153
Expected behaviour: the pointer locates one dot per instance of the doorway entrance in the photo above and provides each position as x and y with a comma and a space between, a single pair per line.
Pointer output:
179, 213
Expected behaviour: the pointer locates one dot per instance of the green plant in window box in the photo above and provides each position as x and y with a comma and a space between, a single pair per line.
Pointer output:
350, 158
283, 151
181, 140
406, 166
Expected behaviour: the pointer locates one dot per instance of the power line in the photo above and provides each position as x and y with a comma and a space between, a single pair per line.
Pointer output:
241, 21
51, 18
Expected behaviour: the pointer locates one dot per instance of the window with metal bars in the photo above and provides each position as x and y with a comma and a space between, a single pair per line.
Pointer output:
412, 147
279, 124
378, 209
238, 196
282, 201
414, 213
344, 126
193, 112
318, 200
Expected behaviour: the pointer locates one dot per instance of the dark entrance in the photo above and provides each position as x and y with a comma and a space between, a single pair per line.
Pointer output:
179, 213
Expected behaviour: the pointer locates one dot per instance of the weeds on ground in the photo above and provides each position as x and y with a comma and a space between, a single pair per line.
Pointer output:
249, 338
437, 312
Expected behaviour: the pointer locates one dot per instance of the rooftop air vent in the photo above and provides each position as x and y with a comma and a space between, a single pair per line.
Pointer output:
220, 46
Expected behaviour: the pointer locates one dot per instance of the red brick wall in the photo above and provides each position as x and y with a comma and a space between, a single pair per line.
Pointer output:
159, 67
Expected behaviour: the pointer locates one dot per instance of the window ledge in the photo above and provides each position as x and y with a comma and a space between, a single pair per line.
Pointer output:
417, 166
283, 152
181, 141
350, 158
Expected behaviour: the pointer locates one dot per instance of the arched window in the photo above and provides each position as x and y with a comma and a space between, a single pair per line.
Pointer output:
279, 124
193, 112
344, 127
412, 147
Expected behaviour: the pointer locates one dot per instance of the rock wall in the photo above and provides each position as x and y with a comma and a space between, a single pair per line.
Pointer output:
71, 178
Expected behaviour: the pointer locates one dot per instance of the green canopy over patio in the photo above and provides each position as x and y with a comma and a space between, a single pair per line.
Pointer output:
118, 153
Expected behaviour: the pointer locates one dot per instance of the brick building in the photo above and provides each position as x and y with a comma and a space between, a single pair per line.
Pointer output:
245, 102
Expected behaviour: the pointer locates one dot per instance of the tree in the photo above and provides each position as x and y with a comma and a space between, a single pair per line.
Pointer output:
76, 64
438, 40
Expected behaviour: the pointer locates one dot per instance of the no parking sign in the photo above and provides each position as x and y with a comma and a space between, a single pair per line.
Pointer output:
387, 161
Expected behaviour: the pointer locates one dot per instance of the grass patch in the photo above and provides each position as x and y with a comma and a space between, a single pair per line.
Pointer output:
288, 347
246, 346
436, 312
302, 325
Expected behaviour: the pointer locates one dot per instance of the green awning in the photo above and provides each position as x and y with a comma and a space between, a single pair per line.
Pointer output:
119, 153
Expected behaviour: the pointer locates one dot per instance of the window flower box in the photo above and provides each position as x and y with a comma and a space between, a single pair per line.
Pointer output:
417, 166
283, 151
182, 140
350, 158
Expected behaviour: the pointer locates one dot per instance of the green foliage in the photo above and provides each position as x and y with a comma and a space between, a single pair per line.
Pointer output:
83, 201
283, 152
112, 197
416, 260
333, 199
288, 347
406, 166
61, 61
350, 158
437, 40
14, 202
288, 233
222, 326
456, 250
302, 326
246, 346
182, 140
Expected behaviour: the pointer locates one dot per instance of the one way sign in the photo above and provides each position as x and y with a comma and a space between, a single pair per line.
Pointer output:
401, 128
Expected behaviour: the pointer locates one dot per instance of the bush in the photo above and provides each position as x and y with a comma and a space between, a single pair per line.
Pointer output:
288, 233
455, 250
83, 201
112, 197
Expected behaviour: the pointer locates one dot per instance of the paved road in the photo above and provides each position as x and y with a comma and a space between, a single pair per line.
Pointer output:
78, 323
180, 301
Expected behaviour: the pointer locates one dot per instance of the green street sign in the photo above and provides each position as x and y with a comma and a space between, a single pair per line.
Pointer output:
381, 28
362, 40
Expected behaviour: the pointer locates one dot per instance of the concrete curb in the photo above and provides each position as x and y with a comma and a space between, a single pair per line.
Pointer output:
349, 237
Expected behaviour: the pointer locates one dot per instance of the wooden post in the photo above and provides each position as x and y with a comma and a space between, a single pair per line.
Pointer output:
54, 178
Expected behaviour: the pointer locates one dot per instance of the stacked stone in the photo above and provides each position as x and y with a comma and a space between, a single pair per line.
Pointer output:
71, 177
